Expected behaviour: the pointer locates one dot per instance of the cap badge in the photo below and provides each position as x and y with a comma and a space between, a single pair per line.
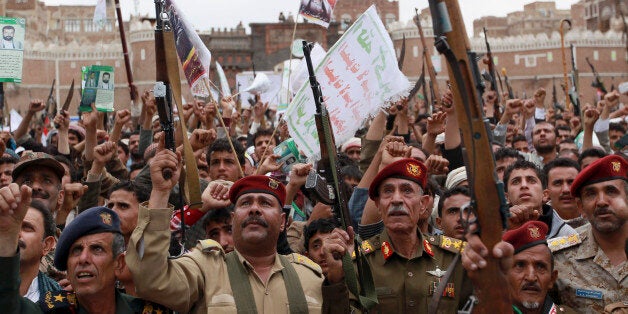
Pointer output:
273, 184
413, 169
534, 232
106, 218
616, 166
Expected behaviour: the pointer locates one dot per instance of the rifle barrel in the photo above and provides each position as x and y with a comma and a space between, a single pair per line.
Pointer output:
452, 40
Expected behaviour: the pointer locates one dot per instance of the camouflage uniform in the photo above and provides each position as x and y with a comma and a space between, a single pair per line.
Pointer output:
586, 279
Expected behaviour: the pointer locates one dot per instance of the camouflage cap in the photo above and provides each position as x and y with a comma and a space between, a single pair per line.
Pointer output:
34, 160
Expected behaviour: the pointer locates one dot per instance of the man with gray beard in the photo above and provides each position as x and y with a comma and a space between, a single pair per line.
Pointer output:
592, 264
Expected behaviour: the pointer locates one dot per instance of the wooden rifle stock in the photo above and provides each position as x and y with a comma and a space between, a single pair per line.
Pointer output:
453, 42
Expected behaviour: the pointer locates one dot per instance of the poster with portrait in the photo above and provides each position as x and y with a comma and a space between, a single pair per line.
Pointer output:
98, 87
317, 11
12, 49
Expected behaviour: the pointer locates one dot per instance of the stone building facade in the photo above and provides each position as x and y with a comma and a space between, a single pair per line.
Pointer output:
530, 61
536, 17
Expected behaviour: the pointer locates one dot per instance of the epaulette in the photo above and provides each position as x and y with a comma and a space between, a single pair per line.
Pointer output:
305, 261
446, 243
58, 302
154, 308
209, 245
559, 243
366, 248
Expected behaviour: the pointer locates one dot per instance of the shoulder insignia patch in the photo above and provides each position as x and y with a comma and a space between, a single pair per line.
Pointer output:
559, 243
452, 244
58, 300
366, 248
209, 245
297, 258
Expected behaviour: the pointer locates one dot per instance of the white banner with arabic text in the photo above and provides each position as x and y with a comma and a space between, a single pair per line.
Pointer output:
357, 77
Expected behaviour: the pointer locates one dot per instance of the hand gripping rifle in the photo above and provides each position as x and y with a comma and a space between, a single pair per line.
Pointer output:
163, 97
489, 205
492, 77
597, 82
326, 186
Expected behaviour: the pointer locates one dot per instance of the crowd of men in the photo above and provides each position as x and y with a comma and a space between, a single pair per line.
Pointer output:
94, 217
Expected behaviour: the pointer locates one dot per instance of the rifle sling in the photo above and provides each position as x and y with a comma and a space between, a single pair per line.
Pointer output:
243, 294
192, 188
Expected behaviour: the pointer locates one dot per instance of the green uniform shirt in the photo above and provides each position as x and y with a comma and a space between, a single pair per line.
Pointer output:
407, 285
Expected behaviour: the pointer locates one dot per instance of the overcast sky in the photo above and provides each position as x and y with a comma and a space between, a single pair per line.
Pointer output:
205, 14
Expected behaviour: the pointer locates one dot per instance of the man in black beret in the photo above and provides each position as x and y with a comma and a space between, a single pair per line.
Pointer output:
91, 249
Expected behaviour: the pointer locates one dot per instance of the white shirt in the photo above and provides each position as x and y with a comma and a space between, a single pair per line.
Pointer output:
33, 291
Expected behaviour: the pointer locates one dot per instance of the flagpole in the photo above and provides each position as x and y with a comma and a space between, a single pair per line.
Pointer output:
222, 123
125, 52
294, 31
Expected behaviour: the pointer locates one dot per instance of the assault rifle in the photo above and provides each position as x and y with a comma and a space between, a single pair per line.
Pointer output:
162, 90
489, 205
575, 85
326, 186
427, 59
597, 83
491, 77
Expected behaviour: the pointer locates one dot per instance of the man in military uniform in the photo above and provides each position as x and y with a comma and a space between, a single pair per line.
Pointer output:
252, 278
592, 264
91, 249
533, 273
407, 267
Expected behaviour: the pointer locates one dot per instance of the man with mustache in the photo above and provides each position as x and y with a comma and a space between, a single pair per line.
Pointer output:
90, 249
532, 274
592, 264
42, 173
407, 266
252, 278
560, 174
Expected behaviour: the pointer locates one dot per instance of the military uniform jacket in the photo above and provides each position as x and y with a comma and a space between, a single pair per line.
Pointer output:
586, 279
407, 285
198, 282
63, 302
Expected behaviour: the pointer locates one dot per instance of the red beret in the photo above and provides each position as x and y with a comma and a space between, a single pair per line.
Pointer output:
258, 184
611, 167
528, 235
407, 168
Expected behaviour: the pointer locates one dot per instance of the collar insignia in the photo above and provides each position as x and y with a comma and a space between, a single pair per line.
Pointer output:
428, 248
386, 250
